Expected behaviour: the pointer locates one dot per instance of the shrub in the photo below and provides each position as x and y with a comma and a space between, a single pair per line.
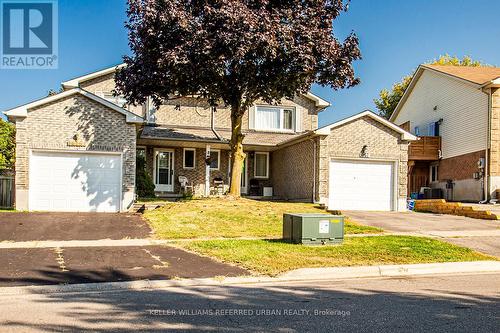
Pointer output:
144, 186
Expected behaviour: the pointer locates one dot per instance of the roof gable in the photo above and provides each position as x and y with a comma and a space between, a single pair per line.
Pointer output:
404, 134
22, 111
475, 76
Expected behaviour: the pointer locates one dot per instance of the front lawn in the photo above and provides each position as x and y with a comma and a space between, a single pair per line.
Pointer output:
272, 257
218, 217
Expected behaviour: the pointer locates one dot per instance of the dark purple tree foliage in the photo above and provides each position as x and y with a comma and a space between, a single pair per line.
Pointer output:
235, 52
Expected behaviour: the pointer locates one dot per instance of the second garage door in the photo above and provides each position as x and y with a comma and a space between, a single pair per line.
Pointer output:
361, 185
75, 182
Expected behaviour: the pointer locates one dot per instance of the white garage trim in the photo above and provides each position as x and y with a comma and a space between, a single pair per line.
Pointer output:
74, 151
395, 204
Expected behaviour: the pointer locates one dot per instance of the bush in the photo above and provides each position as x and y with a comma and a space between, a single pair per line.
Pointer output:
144, 186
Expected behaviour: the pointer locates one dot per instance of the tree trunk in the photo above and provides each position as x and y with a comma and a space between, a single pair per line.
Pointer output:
237, 154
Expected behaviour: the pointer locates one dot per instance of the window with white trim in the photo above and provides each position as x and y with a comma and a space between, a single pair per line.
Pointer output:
189, 158
261, 165
274, 118
214, 159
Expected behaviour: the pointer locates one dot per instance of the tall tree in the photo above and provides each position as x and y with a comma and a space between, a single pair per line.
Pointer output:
7, 145
389, 99
236, 52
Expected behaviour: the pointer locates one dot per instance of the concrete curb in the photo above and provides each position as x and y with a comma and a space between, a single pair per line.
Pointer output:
303, 274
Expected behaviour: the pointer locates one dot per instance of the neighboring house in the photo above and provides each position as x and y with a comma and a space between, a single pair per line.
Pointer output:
76, 151
455, 111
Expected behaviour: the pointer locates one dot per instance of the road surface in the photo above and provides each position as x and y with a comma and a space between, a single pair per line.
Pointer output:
459, 303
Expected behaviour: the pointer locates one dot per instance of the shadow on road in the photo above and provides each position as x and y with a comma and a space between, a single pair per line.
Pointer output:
371, 305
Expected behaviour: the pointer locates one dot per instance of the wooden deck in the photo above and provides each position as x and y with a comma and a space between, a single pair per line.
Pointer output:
427, 148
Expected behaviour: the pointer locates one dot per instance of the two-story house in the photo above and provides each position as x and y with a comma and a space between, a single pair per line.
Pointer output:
76, 151
455, 112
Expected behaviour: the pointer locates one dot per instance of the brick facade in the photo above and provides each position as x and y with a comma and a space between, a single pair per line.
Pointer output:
495, 133
294, 171
53, 125
106, 84
459, 167
347, 140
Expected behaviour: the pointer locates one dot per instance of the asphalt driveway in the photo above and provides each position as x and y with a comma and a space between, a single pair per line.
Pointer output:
102, 260
477, 234
71, 226
43, 266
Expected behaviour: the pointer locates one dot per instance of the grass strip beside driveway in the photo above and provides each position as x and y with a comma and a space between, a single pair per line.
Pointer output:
272, 257
215, 218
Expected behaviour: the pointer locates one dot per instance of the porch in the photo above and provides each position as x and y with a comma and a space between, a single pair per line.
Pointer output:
206, 170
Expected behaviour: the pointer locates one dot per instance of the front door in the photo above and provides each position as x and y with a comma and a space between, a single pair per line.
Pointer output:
164, 170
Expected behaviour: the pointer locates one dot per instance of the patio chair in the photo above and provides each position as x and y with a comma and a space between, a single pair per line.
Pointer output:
184, 185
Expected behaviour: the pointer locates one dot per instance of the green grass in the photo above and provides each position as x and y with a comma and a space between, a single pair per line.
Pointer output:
212, 218
273, 257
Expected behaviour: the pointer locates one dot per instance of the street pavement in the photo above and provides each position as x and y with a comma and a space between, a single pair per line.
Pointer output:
440, 303
477, 234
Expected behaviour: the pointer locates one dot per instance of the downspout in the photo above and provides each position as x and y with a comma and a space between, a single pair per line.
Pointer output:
486, 182
212, 123
486, 155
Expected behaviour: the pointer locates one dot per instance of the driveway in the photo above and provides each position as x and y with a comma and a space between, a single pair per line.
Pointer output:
480, 235
112, 251
71, 226
42, 266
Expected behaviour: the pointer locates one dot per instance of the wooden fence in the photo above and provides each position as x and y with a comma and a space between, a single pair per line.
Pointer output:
6, 192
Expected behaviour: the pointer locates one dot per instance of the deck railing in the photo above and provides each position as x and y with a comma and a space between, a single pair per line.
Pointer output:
427, 148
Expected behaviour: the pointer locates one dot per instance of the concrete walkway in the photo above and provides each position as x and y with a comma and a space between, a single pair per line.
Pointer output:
480, 235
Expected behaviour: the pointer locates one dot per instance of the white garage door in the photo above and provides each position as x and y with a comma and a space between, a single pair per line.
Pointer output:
361, 185
75, 182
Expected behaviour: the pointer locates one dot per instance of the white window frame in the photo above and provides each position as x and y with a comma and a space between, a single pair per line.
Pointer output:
218, 158
281, 118
417, 131
255, 164
432, 166
184, 158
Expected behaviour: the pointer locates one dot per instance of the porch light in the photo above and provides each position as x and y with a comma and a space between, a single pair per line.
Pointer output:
364, 152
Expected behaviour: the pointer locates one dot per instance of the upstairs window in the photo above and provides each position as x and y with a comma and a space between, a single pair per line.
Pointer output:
417, 131
274, 118
118, 100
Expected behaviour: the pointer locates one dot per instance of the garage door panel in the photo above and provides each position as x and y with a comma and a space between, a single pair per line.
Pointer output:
75, 182
361, 185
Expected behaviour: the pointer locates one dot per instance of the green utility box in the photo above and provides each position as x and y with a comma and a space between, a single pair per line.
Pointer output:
313, 229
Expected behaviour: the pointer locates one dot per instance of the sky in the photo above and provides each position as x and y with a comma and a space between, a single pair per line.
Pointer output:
395, 37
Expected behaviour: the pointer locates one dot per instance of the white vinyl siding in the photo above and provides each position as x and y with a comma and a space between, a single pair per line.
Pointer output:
463, 108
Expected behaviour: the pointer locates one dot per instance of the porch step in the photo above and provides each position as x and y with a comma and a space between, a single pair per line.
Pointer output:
440, 206
141, 207
168, 195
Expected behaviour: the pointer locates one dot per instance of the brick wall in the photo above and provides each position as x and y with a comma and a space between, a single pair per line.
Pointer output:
293, 170
459, 167
196, 112
346, 141
106, 84
52, 125
495, 133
